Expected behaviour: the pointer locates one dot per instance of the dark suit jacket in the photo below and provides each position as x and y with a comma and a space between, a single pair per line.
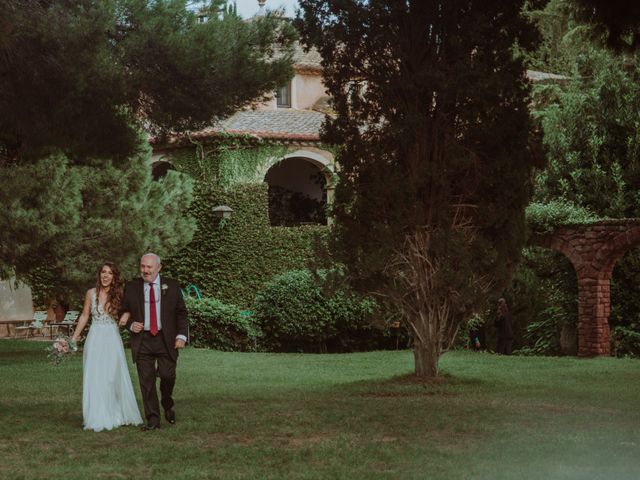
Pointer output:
173, 313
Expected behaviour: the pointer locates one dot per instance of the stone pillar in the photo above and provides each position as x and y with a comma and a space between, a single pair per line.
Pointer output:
593, 313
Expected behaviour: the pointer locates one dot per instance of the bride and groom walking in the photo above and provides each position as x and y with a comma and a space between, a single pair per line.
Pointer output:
152, 309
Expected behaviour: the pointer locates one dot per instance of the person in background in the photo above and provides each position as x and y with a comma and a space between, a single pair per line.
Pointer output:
504, 327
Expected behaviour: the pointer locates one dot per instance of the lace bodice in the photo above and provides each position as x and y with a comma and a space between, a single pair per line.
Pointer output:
98, 314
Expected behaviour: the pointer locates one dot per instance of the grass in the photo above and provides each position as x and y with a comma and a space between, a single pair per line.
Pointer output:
357, 416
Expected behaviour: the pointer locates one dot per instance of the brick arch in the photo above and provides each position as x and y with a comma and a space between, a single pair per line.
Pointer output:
593, 250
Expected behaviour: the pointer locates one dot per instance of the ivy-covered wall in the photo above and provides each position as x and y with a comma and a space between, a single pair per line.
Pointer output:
230, 259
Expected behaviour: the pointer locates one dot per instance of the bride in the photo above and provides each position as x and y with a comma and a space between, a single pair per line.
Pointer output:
108, 400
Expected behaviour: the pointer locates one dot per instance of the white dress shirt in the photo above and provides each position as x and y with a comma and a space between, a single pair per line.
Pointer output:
158, 296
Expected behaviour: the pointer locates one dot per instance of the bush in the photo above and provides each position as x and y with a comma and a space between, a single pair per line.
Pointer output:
625, 341
296, 312
471, 329
214, 324
544, 217
543, 336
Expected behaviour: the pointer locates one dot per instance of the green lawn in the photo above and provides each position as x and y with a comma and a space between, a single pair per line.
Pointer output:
357, 416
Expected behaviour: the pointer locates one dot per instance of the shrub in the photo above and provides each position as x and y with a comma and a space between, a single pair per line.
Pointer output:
542, 337
543, 217
625, 341
221, 326
471, 329
296, 313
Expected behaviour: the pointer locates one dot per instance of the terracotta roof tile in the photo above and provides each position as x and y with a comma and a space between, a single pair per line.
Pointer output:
293, 124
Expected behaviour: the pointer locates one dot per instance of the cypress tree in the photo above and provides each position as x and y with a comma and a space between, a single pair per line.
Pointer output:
433, 129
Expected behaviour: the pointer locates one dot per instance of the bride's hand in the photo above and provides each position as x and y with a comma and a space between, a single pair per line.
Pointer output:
124, 319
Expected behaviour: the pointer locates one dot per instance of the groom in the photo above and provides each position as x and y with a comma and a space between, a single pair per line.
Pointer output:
159, 328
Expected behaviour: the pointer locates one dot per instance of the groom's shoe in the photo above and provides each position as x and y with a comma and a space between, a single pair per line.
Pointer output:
170, 415
150, 426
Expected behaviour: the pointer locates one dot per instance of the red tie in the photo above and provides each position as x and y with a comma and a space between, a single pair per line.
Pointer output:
153, 318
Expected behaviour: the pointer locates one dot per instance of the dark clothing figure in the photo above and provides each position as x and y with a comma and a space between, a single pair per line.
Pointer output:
159, 328
504, 327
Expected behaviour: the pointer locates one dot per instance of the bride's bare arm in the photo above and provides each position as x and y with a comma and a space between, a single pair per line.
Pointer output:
124, 319
84, 316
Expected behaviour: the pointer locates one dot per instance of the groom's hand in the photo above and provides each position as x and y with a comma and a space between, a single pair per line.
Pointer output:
137, 327
179, 343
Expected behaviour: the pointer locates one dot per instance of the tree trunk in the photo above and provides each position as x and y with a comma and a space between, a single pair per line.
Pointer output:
426, 360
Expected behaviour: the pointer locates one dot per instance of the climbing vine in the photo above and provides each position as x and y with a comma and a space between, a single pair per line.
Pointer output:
227, 160
230, 259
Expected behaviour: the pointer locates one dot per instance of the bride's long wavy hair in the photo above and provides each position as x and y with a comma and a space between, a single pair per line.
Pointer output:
116, 291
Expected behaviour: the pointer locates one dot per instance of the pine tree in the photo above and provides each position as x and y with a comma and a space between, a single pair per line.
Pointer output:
62, 220
84, 77
80, 81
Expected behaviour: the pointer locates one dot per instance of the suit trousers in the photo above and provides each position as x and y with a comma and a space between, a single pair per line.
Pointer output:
154, 360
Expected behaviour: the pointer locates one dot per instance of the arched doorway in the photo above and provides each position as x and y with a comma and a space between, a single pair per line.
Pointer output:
160, 169
297, 192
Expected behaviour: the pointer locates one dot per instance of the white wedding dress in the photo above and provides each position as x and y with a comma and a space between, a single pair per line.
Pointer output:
108, 400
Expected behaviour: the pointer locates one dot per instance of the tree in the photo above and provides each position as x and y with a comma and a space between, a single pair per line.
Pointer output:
433, 128
80, 81
617, 22
589, 131
593, 144
84, 77
591, 137
60, 221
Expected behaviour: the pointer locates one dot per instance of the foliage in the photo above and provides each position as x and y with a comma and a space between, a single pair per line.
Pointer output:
617, 22
474, 328
543, 334
544, 294
231, 259
592, 139
593, 144
432, 120
557, 50
625, 341
226, 159
62, 220
220, 326
625, 294
544, 217
41, 204
239, 161
84, 77
297, 314
78, 83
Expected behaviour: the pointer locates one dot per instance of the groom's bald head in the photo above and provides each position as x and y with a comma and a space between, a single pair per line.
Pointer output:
150, 267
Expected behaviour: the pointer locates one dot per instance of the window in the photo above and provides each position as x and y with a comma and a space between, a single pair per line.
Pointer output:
283, 96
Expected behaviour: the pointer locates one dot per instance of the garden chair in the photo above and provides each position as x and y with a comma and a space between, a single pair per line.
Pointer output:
37, 324
69, 322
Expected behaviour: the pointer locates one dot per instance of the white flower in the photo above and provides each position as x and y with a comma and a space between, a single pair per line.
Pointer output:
164, 288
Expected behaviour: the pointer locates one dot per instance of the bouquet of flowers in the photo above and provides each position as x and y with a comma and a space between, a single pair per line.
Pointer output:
61, 350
